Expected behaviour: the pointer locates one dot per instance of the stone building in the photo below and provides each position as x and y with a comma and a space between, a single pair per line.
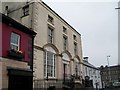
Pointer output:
57, 47
110, 75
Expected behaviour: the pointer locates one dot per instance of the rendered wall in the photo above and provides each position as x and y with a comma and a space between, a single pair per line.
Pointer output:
10, 63
6, 35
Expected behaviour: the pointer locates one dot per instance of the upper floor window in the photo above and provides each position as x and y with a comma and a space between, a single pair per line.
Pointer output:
15, 40
26, 10
49, 64
74, 37
50, 19
65, 40
50, 35
75, 48
64, 30
94, 72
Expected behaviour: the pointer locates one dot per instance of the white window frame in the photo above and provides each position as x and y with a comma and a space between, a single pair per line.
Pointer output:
75, 48
17, 45
65, 42
46, 65
50, 34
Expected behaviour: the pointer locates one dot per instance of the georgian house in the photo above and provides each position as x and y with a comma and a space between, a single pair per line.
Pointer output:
92, 77
57, 47
16, 55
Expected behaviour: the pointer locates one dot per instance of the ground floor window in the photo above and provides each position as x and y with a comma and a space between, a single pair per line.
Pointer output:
49, 64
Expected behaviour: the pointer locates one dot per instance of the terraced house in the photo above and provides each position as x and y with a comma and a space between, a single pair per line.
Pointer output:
57, 47
92, 77
16, 57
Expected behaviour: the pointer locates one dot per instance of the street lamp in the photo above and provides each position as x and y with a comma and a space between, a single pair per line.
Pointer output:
108, 69
108, 59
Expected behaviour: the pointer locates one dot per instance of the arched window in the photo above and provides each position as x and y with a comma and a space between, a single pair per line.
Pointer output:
49, 62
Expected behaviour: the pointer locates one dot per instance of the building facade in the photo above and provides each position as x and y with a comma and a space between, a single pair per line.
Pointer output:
92, 73
110, 75
57, 47
16, 55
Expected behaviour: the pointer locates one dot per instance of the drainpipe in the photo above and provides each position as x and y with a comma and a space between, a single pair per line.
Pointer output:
31, 67
32, 51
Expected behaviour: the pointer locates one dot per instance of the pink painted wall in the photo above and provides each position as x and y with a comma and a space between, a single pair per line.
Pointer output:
0, 40
6, 34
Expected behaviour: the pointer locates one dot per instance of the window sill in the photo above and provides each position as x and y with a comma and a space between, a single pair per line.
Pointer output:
14, 55
50, 22
51, 25
50, 78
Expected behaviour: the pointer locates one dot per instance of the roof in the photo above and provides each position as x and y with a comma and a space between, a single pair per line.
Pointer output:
17, 25
111, 67
89, 64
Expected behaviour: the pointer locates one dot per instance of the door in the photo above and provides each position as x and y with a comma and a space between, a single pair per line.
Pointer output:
20, 82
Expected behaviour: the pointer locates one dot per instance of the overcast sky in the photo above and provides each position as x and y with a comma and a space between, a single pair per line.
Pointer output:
97, 22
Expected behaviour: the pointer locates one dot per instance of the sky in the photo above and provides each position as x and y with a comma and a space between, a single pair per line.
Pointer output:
97, 22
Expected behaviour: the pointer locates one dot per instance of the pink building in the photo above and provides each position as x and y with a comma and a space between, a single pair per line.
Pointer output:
16, 54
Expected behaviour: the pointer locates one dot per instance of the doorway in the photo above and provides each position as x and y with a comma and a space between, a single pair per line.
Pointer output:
20, 80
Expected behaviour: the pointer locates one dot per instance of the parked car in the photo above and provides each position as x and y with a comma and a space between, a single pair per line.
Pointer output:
116, 84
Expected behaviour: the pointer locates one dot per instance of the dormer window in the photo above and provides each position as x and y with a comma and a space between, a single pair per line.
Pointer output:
50, 19
26, 10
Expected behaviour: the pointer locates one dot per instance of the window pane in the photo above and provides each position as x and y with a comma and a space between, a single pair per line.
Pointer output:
50, 19
45, 63
26, 10
50, 64
50, 34
14, 41
64, 42
64, 30
75, 48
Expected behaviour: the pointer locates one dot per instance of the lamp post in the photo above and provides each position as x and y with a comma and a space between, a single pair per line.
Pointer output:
108, 60
108, 69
